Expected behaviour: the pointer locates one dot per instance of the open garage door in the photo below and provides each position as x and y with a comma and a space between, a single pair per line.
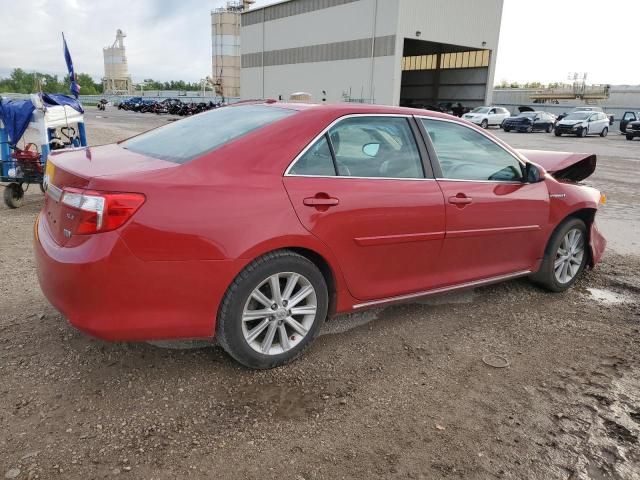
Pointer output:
440, 75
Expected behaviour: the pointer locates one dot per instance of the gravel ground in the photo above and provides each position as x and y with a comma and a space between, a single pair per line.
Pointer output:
402, 392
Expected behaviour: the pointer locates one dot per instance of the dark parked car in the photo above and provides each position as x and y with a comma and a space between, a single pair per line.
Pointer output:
627, 118
633, 130
530, 122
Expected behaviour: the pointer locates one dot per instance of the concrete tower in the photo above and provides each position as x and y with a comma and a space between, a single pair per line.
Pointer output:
225, 35
116, 71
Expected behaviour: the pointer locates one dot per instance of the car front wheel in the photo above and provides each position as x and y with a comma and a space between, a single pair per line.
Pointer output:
273, 310
629, 137
565, 257
484, 123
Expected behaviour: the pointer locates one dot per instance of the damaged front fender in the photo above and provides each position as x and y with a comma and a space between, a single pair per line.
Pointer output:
573, 167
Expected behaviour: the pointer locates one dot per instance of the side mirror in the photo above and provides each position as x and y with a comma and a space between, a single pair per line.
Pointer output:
371, 149
532, 174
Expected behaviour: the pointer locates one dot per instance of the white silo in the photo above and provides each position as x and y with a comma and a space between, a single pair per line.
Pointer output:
225, 35
116, 70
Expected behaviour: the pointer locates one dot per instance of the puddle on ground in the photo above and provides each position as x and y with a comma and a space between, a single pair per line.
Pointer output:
607, 296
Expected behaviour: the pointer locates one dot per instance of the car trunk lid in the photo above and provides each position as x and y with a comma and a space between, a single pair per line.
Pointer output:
75, 169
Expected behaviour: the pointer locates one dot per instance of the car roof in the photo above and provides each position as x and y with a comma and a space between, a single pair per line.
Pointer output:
341, 109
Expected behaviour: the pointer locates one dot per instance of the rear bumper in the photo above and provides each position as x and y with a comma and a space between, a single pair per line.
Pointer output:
106, 291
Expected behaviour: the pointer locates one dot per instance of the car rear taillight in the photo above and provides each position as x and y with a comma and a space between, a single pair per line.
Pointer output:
99, 212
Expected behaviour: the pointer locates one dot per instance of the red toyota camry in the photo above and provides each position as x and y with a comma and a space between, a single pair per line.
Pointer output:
253, 223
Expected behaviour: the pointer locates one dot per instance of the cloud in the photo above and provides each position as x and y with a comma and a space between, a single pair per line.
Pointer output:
171, 39
166, 39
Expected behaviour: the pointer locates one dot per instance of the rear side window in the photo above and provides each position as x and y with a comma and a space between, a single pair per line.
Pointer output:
316, 161
192, 137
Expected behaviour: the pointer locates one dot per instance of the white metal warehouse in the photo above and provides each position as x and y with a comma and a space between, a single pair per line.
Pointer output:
396, 52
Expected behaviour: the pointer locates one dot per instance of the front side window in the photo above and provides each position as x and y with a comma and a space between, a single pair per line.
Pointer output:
465, 154
376, 147
187, 139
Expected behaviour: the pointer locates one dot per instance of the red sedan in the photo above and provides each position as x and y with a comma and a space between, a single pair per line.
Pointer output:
253, 223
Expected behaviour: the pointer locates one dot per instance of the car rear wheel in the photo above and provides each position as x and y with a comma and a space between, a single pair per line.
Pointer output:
13, 195
549, 128
273, 310
506, 129
484, 123
565, 257
604, 132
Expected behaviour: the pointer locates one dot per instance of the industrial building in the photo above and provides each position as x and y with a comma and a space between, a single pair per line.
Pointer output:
116, 78
396, 52
225, 47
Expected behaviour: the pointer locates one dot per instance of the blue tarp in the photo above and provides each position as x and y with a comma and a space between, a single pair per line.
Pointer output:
60, 99
16, 115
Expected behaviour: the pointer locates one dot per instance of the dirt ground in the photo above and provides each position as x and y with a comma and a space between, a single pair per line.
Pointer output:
402, 392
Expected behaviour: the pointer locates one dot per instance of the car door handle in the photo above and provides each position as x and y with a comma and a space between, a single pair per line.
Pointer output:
460, 199
321, 202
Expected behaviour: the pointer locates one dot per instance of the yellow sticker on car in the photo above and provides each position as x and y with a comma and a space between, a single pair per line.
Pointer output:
49, 171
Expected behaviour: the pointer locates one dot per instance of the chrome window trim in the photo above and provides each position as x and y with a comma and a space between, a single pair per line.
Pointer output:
501, 182
288, 173
346, 177
520, 160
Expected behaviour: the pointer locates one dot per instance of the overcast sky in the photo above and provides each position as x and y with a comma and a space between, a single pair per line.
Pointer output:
171, 39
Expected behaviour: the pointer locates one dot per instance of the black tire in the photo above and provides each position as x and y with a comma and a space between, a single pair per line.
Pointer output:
604, 132
229, 328
506, 129
484, 124
558, 134
545, 277
529, 129
549, 128
630, 137
583, 132
13, 195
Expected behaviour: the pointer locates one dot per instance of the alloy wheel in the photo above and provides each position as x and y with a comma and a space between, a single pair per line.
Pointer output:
279, 313
569, 256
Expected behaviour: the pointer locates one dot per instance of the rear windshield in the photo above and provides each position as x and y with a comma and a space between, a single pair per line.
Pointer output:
480, 110
186, 139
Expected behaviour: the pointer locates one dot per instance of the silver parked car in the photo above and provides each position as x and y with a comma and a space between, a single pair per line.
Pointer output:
583, 124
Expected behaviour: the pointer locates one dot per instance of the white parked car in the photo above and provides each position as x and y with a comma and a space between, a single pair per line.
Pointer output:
583, 124
487, 116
